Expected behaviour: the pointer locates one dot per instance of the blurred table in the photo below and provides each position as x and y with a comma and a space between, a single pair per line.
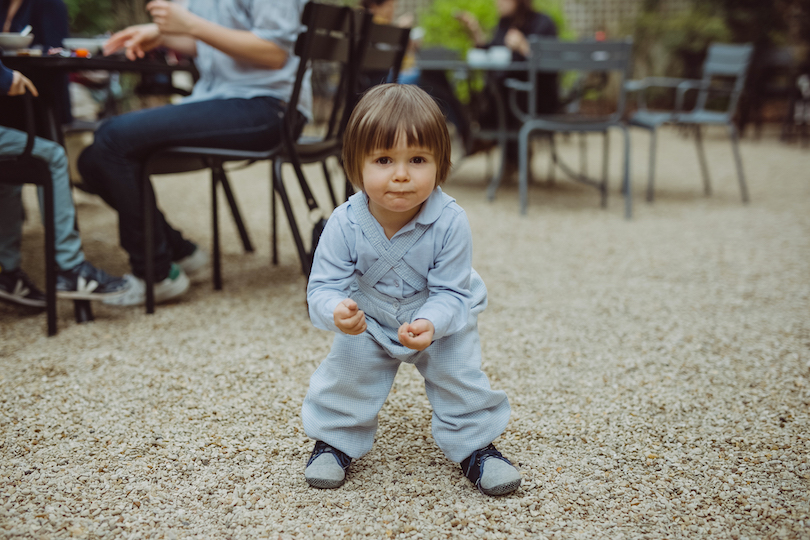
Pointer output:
500, 134
29, 65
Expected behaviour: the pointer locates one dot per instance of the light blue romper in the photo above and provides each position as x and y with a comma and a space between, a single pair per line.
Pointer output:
351, 385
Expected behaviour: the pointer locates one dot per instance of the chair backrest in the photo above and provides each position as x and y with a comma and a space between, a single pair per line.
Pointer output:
725, 61
331, 36
553, 56
382, 49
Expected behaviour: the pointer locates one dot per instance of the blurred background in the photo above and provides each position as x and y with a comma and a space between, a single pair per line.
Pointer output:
670, 36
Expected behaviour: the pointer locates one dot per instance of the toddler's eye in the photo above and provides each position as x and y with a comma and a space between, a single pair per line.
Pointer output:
384, 160
419, 160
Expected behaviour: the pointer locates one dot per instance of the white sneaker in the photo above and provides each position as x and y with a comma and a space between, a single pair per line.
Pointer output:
176, 284
194, 262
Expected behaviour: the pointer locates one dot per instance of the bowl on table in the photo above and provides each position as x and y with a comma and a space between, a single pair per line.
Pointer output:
91, 45
12, 41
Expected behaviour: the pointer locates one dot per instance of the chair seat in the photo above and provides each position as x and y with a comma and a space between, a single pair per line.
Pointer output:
704, 117
651, 119
574, 122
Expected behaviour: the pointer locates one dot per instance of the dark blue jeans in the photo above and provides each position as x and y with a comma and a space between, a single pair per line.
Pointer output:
111, 166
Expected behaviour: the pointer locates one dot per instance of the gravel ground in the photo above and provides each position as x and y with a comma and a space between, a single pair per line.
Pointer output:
658, 371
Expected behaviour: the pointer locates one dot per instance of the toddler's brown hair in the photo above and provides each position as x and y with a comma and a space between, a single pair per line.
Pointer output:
389, 111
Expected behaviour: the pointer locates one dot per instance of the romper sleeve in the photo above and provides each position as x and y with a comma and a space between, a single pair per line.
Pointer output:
332, 274
449, 281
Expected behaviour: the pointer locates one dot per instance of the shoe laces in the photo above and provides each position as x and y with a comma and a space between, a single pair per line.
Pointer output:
472, 465
322, 448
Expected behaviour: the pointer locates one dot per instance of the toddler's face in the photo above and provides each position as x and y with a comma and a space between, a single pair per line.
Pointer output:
398, 180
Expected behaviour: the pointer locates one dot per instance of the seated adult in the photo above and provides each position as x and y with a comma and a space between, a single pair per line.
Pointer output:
247, 70
76, 278
49, 25
517, 21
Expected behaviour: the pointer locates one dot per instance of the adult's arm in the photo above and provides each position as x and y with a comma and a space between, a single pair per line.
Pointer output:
6, 78
173, 20
14, 83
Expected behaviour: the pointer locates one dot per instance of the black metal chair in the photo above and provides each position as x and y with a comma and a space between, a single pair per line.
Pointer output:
330, 37
27, 169
723, 62
552, 56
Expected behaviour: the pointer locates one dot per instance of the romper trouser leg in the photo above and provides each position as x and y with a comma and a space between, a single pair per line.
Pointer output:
346, 393
467, 413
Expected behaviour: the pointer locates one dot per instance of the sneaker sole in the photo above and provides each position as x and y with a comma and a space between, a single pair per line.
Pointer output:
77, 295
23, 301
322, 483
178, 287
502, 489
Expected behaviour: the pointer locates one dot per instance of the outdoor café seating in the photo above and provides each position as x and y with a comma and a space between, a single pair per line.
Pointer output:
335, 35
552, 56
26, 169
723, 62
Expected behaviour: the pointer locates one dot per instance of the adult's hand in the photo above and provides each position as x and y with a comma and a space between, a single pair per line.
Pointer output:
516, 40
172, 18
135, 40
20, 83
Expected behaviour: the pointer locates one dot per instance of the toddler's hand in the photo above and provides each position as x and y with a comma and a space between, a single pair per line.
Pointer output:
349, 319
417, 335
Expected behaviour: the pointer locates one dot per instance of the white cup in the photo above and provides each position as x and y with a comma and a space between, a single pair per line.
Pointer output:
477, 57
500, 55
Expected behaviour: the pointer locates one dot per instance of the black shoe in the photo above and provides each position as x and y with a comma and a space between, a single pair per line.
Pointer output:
490, 472
16, 287
86, 282
326, 468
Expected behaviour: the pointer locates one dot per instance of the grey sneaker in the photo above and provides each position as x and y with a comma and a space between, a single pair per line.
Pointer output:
491, 473
16, 287
176, 284
86, 282
326, 468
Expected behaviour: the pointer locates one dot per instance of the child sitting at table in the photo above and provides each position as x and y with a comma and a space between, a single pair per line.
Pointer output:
392, 276
76, 278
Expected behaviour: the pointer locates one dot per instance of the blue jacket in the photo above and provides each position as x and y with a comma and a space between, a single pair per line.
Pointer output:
6, 76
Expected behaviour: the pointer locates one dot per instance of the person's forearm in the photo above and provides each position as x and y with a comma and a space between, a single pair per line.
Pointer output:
185, 45
240, 44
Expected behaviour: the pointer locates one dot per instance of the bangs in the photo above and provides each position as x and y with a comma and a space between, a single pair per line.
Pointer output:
415, 124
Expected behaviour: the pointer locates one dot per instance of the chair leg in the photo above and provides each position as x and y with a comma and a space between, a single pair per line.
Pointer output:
626, 186
148, 240
273, 216
285, 201
237, 215
583, 154
552, 166
83, 311
523, 164
704, 168
732, 132
217, 256
329, 183
651, 170
605, 154
50, 259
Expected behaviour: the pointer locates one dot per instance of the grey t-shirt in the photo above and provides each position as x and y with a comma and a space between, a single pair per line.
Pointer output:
223, 77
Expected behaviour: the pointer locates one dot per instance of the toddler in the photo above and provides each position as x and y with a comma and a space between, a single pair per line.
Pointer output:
393, 277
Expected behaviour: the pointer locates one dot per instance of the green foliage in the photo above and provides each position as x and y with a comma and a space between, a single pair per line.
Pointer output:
671, 44
93, 17
442, 27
